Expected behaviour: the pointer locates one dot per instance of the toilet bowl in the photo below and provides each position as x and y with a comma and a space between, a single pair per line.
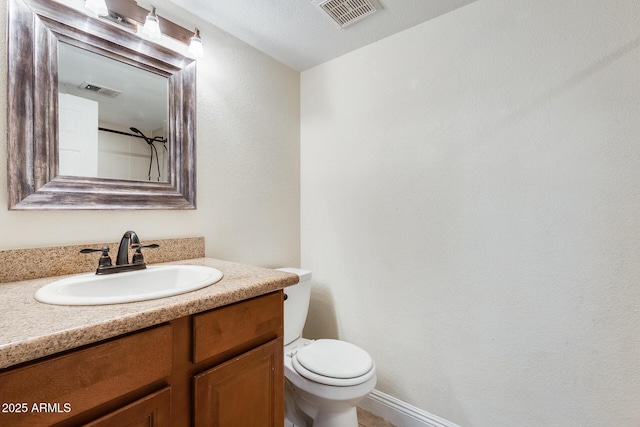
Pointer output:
324, 379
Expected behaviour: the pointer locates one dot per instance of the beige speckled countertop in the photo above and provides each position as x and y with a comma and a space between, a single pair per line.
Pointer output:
30, 329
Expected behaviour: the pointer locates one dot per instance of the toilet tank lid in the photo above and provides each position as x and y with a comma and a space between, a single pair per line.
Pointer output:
302, 274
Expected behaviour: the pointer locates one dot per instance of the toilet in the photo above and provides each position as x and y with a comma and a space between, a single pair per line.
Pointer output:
324, 379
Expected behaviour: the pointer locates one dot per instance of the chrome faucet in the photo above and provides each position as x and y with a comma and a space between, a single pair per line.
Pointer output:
129, 240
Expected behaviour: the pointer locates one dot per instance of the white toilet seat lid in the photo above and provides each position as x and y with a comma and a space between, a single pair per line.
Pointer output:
333, 362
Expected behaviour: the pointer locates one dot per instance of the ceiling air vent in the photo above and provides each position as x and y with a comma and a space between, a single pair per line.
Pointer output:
346, 12
100, 90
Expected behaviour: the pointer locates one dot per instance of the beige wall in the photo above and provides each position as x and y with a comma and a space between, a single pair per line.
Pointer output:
470, 211
248, 164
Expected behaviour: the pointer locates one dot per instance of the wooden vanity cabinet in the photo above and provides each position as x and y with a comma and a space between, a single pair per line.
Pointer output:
219, 368
248, 389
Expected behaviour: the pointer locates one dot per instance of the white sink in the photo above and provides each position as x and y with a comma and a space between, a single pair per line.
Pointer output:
142, 285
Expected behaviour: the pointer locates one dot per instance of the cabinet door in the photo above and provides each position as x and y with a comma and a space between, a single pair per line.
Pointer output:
246, 391
153, 410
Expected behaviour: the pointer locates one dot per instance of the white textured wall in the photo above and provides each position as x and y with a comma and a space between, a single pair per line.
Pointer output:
248, 163
471, 211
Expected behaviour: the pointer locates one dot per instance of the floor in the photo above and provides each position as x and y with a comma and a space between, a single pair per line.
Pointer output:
367, 419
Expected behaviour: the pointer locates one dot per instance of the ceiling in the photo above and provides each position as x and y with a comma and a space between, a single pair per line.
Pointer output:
299, 34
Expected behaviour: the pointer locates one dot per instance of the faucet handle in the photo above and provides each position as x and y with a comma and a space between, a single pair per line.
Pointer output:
151, 246
138, 258
105, 259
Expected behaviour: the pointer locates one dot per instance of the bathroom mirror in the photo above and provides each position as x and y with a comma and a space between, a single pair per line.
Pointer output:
37, 30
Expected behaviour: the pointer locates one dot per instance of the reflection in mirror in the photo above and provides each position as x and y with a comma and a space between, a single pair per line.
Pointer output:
112, 118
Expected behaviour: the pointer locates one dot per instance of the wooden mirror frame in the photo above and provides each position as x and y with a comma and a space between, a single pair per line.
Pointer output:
34, 29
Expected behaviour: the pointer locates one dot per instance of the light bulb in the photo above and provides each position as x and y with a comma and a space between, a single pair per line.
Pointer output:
151, 26
195, 45
98, 7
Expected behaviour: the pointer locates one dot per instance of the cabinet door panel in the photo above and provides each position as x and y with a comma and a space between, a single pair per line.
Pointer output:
150, 411
247, 391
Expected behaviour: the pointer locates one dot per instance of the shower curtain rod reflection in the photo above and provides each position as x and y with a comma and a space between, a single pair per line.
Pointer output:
129, 134
149, 141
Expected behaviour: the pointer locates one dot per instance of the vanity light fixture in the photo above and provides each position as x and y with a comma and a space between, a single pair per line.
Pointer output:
99, 7
151, 26
147, 23
195, 45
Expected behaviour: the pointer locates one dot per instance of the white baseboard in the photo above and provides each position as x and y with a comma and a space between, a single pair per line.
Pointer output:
400, 413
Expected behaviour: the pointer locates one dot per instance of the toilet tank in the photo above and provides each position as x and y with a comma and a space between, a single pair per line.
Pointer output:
296, 304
